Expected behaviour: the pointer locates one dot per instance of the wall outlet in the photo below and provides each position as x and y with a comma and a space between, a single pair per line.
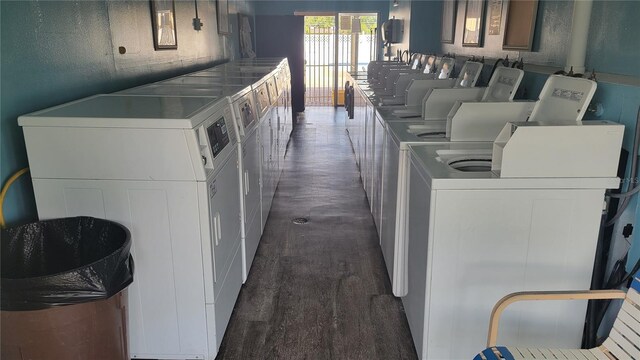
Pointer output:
197, 24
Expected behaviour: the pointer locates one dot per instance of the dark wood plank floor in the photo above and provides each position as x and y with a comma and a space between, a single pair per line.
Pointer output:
318, 290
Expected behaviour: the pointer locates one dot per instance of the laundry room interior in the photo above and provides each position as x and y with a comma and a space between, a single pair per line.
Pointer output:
309, 179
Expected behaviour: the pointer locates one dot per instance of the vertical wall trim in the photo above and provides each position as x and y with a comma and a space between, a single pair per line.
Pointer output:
579, 36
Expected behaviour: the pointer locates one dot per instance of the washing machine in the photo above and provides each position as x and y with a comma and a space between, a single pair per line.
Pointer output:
167, 169
486, 220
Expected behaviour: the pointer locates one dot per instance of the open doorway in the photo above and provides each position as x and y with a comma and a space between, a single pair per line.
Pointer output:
334, 45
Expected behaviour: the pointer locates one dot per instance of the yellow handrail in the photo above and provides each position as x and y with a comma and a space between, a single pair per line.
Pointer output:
5, 188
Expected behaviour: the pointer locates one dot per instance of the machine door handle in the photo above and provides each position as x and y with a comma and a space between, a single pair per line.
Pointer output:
246, 182
217, 229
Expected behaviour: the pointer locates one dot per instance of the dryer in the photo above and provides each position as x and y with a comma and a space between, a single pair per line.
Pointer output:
245, 123
268, 139
166, 168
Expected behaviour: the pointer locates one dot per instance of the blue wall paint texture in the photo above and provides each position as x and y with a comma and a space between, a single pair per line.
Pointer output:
288, 7
614, 46
427, 14
53, 52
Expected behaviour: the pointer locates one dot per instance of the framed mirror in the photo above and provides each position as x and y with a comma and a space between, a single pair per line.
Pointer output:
222, 9
473, 23
163, 20
449, 10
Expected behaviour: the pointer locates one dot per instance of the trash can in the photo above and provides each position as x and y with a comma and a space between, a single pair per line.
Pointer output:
63, 290
340, 98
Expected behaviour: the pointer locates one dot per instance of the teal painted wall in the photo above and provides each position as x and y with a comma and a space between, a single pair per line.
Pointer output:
614, 46
422, 21
288, 7
402, 12
425, 27
53, 52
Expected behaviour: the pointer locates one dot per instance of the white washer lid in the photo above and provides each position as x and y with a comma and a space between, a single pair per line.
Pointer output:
208, 80
111, 111
469, 74
234, 73
503, 84
208, 90
563, 98
173, 90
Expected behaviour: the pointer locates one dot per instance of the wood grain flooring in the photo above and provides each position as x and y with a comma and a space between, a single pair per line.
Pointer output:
318, 290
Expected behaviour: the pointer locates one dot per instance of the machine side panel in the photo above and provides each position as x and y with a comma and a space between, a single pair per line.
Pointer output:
166, 247
415, 255
109, 153
488, 243
380, 136
389, 199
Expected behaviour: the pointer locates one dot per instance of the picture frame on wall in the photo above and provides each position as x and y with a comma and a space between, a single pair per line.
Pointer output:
246, 42
520, 25
449, 10
222, 10
163, 20
473, 23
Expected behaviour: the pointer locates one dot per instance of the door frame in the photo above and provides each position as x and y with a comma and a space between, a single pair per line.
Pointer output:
336, 37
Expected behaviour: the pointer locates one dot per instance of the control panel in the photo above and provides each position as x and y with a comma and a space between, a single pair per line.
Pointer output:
247, 114
218, 136
262, 95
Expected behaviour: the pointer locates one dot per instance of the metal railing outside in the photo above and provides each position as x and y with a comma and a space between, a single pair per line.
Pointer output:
320, 62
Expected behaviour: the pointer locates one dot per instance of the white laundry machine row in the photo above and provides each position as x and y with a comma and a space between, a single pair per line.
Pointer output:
208, 81
365, 124
285, 116
270, 77
359, 111
245, 122
486, 220
483, 124
167, 169
248, 125
562, 99
400, 132
375, 118
268, 128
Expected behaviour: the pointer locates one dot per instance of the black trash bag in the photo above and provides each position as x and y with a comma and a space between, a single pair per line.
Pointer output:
63, 262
